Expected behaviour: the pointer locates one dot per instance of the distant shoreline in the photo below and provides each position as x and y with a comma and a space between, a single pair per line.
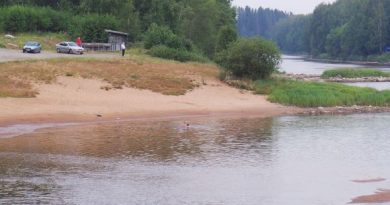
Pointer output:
333, 61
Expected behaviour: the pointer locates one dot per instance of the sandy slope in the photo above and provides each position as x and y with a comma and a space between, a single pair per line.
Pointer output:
72, 99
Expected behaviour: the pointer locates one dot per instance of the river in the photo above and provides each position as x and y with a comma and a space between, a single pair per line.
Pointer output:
297, 65
275, 161
290, 160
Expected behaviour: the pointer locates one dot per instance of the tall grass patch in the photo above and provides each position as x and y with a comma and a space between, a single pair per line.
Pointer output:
314, 94
354, 73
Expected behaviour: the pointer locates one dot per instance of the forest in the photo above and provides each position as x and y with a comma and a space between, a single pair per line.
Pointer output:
345, 30
197, 21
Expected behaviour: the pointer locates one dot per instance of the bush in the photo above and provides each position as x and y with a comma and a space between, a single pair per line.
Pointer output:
162, 35
253, 58
182, 55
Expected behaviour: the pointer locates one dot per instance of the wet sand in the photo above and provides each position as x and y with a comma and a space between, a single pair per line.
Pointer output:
381, 196
379, 179
83, 100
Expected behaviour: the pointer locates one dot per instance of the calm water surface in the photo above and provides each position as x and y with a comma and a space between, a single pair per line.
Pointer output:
297, 65
275, 161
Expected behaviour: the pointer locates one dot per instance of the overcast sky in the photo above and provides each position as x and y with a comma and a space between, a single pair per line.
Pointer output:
295, 6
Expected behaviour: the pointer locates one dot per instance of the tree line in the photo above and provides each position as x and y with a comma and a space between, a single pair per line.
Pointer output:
345, 29
258, 22
199, 21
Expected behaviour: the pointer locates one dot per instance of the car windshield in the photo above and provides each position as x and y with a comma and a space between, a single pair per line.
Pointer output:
72, 44
31, 44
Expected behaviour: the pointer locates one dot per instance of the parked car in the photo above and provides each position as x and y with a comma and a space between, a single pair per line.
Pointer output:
32, 47
69, 47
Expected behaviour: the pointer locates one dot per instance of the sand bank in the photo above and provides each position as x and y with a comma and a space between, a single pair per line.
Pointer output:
72, 100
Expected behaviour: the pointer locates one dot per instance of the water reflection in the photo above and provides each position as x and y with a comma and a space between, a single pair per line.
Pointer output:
286, 160
158, 141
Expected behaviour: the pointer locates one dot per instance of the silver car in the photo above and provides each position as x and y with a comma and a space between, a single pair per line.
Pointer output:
32, 47
69, 47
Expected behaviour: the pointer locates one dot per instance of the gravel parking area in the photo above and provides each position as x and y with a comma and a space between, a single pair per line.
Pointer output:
7, 55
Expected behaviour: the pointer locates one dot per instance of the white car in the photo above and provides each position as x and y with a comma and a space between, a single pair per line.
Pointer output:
69, 47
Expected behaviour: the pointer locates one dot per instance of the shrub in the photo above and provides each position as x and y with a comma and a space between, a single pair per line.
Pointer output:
182, 55
253, 58
162, 35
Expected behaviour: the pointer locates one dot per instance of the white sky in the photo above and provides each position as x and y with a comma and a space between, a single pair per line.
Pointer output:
295, 6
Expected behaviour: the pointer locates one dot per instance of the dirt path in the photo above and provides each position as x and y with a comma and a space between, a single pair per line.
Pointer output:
7, 55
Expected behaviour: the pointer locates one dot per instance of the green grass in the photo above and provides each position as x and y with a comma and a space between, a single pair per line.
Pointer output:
48, 40
314, 94
354, 73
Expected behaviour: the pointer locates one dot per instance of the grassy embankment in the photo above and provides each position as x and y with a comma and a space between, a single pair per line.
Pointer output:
48, 40
315, 94
17, 79
354, 73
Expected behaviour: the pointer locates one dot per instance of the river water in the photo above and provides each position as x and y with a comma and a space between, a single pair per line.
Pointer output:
275, 161
297, 65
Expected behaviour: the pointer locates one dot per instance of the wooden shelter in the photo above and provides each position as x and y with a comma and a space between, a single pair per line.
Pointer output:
116, 38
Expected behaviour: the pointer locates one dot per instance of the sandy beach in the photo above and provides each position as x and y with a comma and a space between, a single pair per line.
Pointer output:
74, 99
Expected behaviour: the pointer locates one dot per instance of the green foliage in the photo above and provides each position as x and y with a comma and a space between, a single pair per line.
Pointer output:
181, 55
313, 94
91, 28
199, 21
290, 34
384, 58
162, 35
226, 36
41, 19
354, 73
258, 22
253, 58
32, 19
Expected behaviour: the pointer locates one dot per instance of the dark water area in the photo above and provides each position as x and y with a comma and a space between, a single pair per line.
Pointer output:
275, 161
